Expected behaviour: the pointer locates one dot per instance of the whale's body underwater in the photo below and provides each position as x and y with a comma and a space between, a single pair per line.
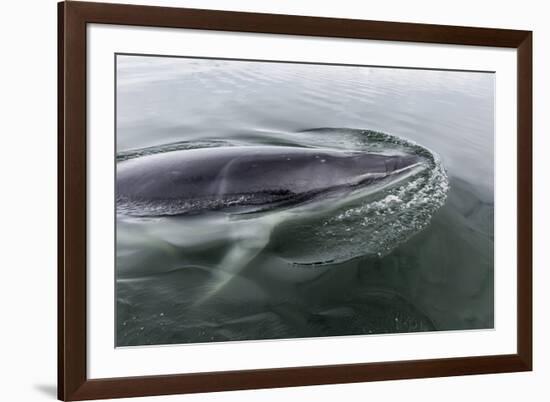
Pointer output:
318, 200
241, 179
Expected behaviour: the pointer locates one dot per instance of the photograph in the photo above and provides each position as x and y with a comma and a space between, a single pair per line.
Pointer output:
269, 199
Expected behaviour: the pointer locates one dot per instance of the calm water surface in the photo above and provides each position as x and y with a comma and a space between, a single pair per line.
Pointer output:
199, 280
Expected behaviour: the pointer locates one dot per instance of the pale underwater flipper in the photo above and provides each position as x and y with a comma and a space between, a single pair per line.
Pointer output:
246, 246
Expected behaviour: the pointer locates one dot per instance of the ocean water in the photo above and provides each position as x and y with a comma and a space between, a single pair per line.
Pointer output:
416, 255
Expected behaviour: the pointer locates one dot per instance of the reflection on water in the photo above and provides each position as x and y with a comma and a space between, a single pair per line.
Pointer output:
436, 277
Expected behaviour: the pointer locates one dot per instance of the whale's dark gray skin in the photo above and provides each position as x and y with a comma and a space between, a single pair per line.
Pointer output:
245, 179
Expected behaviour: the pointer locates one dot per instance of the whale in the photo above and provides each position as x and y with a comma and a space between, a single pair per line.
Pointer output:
244, 179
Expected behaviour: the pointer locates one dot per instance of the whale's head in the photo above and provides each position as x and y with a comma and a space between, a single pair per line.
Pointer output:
245, 179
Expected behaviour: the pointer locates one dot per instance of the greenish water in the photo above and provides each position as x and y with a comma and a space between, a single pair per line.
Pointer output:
413, 256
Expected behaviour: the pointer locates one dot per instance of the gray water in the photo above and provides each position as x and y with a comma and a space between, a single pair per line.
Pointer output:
423, 263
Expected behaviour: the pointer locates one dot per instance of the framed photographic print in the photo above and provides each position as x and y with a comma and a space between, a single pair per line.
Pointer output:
253, 200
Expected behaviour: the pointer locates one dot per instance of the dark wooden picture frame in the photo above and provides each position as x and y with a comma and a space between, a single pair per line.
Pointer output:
73, 383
